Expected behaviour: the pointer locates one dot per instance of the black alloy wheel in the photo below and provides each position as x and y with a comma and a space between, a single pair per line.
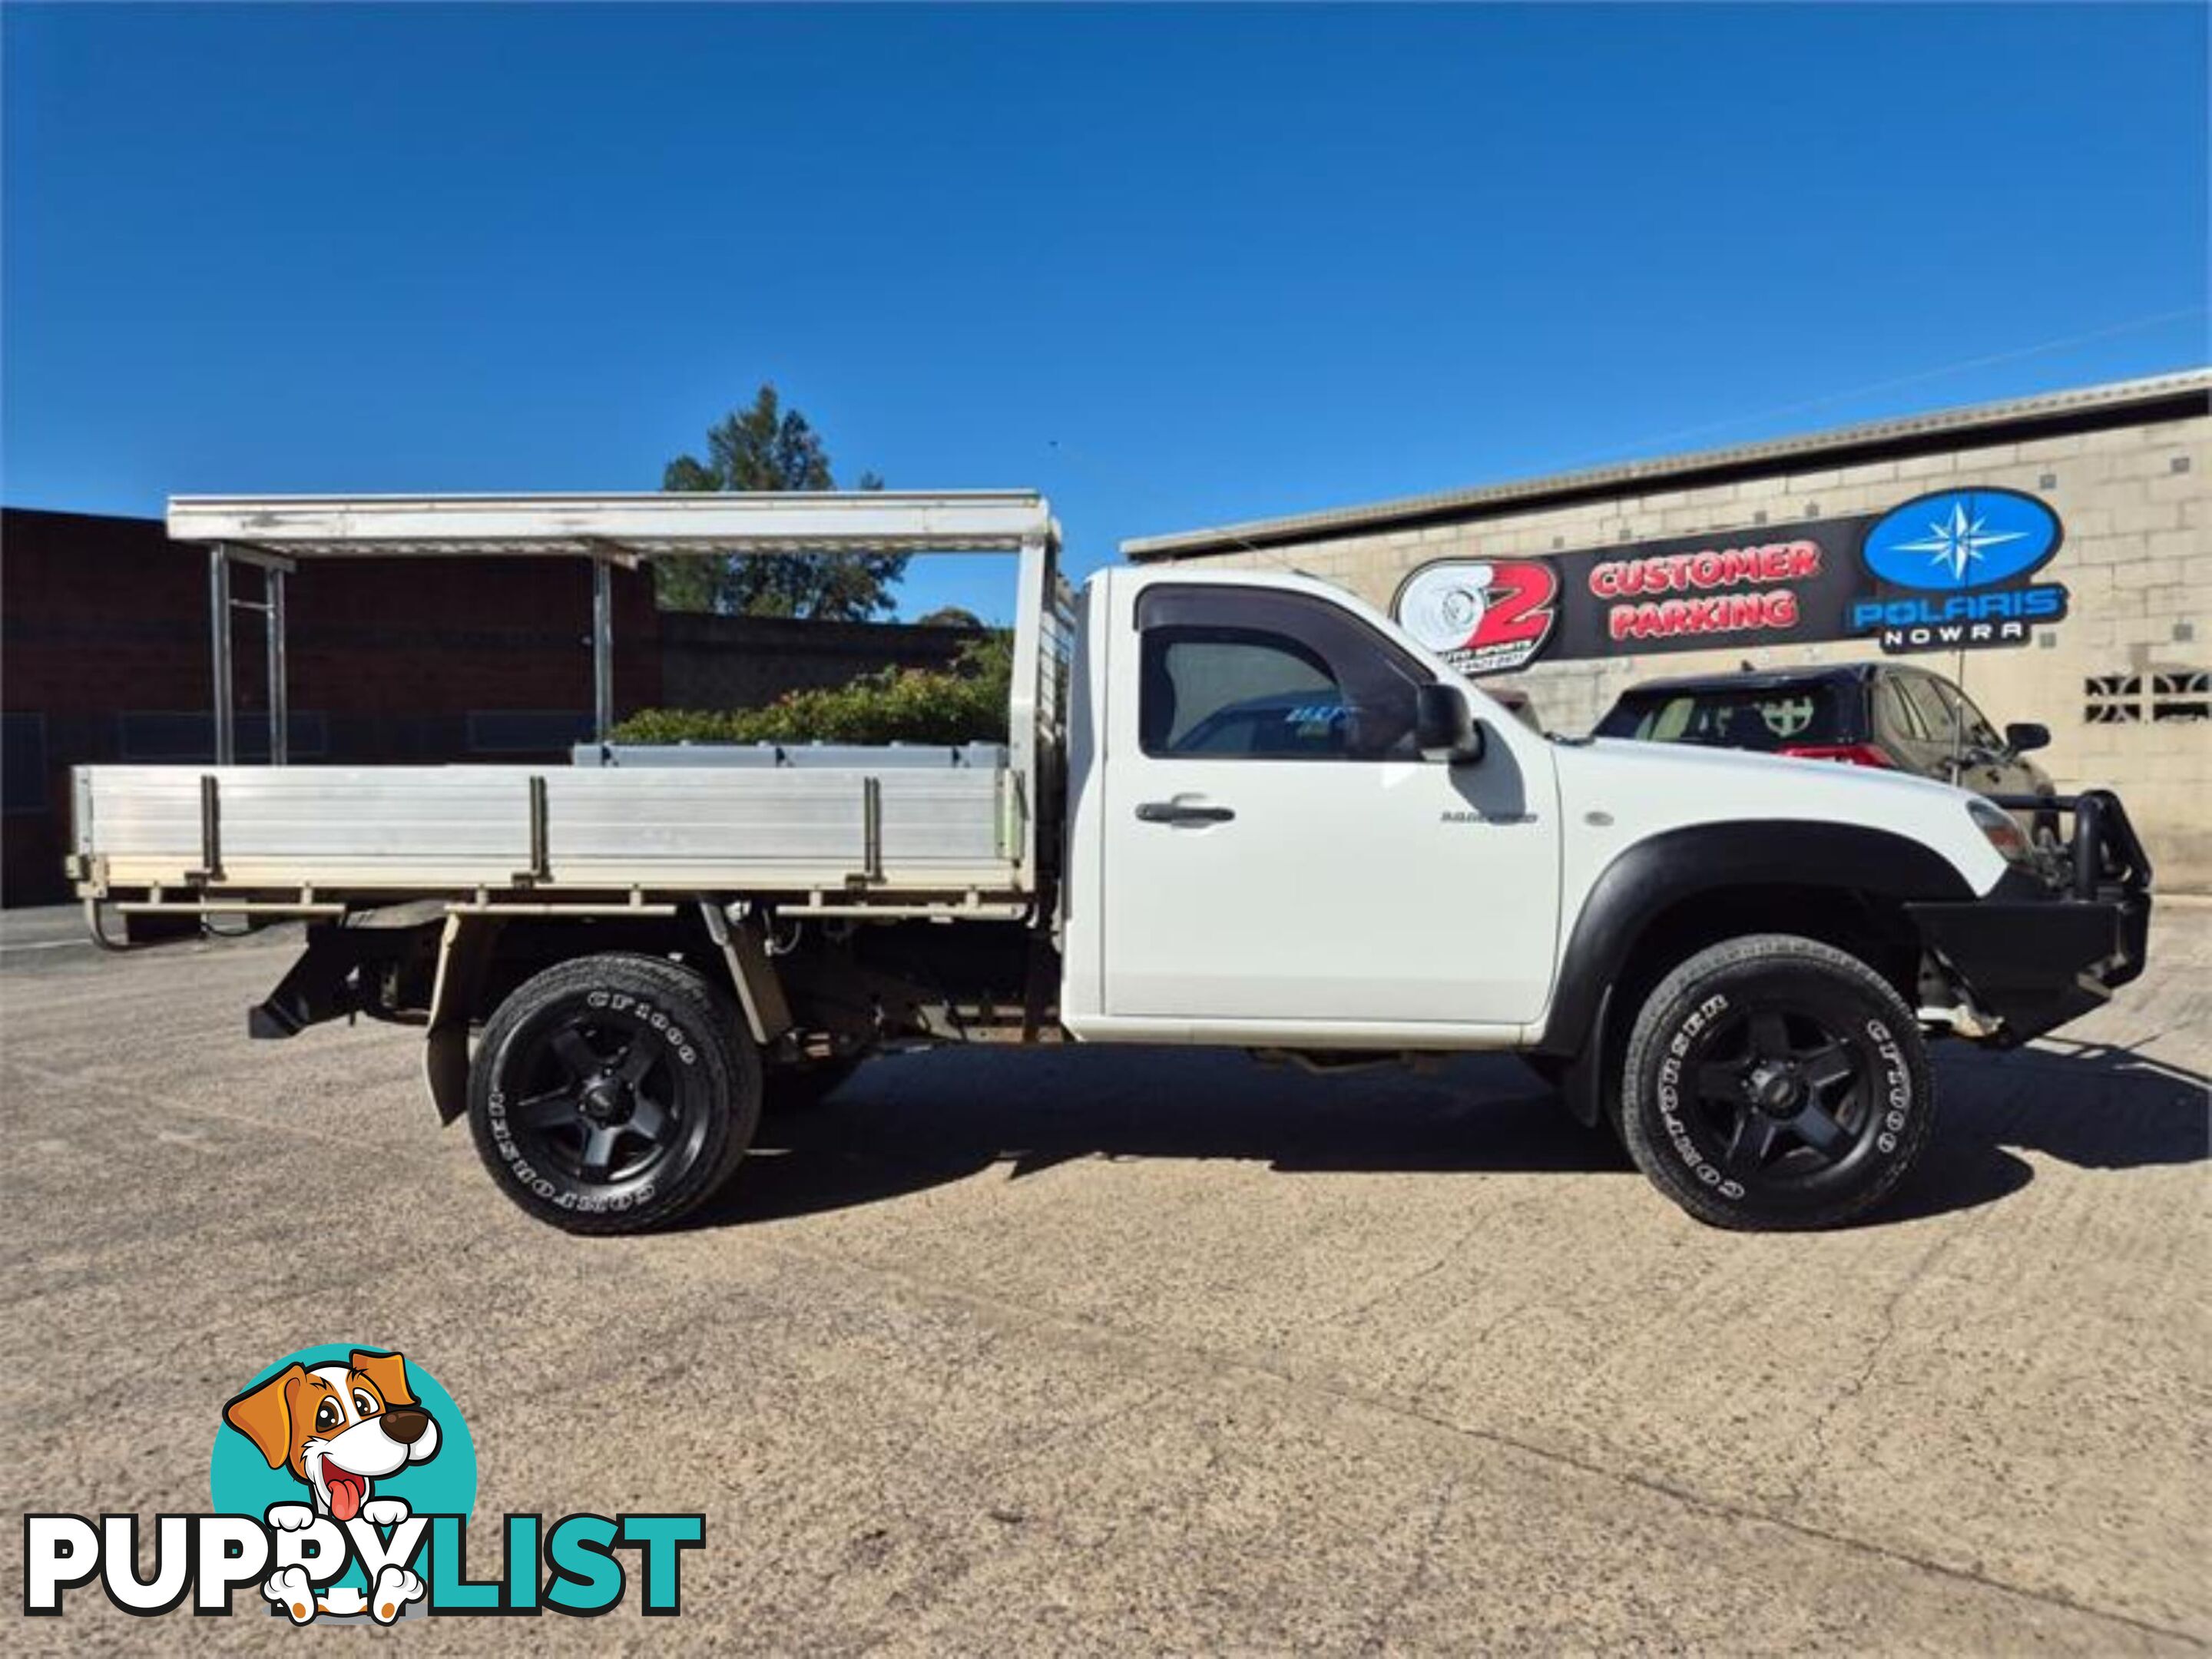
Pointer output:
1773, 1082
1781, 1094
612, 1093
598, 1099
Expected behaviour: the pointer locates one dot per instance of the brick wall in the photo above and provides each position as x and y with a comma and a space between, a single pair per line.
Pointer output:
2137, 503
104, 656
743, 662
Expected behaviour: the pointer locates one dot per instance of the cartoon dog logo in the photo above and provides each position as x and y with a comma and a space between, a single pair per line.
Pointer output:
338, 1429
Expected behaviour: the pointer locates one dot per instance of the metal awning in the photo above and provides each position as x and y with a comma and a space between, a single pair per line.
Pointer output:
276, 533
630, 528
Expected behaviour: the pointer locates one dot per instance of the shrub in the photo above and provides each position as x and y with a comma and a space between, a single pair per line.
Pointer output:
966, 704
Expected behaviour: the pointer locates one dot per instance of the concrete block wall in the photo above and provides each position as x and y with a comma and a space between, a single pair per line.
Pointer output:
2136, 504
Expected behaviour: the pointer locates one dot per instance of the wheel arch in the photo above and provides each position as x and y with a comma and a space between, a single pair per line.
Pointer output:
1672, 894
482, 959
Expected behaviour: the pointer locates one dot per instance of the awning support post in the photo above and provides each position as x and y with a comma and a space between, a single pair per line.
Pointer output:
226, 742
280, 712
222, 555
603, 650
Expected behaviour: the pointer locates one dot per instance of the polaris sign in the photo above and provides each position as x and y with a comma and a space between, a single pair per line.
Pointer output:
1951, 569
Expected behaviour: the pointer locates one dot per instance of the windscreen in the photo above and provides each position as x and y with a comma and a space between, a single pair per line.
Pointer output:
1766, 718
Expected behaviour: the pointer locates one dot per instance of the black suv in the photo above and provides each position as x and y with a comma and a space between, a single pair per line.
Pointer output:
1866, 714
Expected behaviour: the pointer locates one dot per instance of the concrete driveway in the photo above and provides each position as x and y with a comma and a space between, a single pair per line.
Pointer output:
1095, 1350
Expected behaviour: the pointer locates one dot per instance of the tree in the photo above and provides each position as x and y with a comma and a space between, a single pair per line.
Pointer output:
769, 446
950, 616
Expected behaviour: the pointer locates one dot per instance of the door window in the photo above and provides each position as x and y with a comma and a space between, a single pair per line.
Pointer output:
1229, 673
1223, 692
1980, 735
1896, 713
1939, 718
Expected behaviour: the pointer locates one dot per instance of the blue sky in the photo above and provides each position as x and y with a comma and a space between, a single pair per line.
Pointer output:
1175, 267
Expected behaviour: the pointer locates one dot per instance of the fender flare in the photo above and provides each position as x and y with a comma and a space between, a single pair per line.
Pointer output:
1653, 875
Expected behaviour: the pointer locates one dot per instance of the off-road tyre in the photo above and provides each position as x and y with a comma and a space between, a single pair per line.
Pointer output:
1775, 1084
613, 1093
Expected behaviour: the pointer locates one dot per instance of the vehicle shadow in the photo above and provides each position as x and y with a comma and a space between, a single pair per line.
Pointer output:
2096, 1106
906, 1123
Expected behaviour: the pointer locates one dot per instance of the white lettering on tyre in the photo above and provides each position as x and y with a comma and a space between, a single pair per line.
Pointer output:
1897, 1086
1670, 1098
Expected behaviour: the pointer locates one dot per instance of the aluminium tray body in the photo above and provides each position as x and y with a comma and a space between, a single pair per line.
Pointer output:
430, 829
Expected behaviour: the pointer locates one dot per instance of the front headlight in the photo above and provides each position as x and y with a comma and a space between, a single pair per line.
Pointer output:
2002, 832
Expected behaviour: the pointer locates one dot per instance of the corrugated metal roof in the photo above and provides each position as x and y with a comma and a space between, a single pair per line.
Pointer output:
2112, 398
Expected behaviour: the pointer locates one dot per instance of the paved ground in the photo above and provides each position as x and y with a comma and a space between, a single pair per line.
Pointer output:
1101, 1350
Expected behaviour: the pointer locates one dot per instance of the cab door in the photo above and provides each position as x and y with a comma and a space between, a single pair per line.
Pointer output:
1276, 852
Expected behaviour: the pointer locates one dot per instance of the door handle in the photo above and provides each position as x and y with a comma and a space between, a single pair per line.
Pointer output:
1178, 811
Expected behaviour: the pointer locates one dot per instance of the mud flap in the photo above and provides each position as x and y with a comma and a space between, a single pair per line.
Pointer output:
752, 976
465, 950
1582, 1083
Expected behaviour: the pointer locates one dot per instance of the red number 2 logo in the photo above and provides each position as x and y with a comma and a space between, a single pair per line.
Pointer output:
1519, 604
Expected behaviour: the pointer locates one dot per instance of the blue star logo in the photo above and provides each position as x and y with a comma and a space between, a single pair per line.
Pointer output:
1958, 541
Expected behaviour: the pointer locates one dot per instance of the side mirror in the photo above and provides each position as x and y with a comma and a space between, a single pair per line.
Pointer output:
2024, 735
1443, 726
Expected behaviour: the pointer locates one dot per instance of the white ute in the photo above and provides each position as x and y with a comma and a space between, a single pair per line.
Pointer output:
1231, 809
